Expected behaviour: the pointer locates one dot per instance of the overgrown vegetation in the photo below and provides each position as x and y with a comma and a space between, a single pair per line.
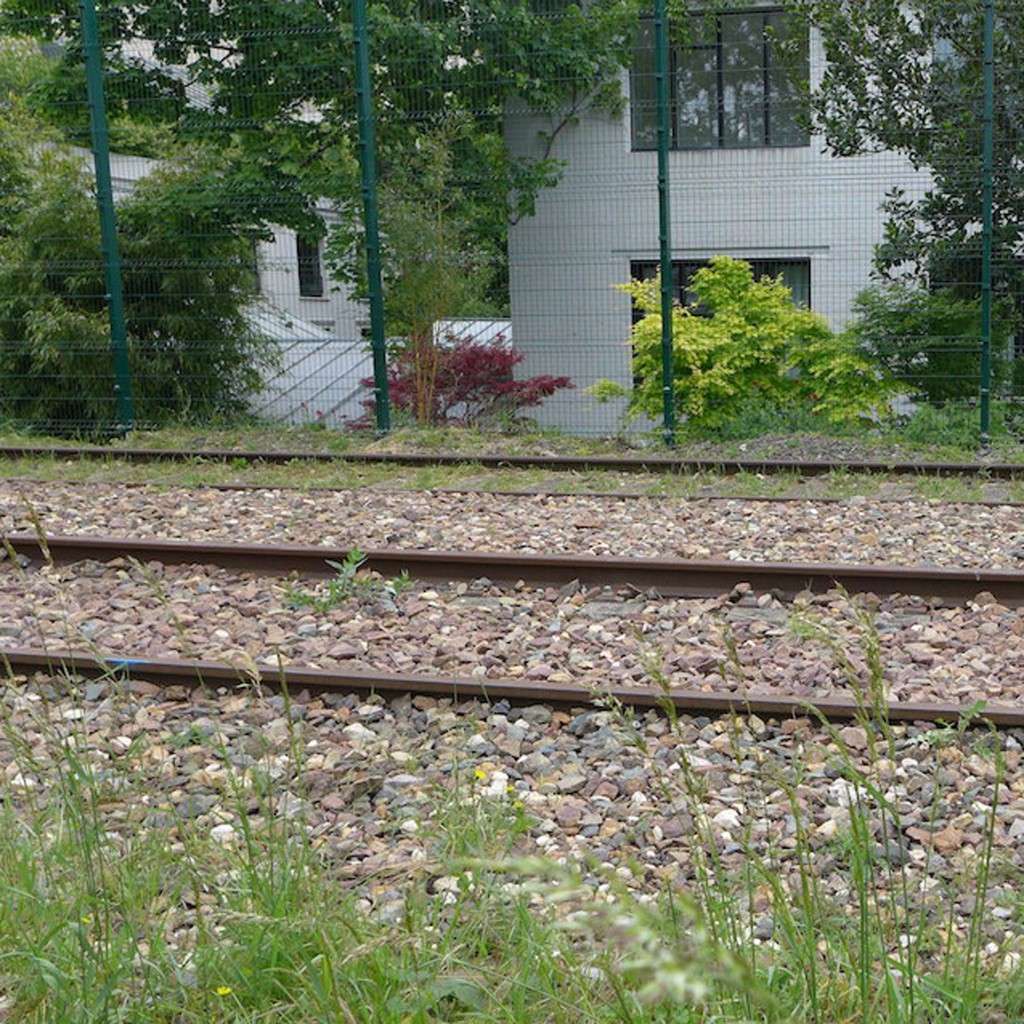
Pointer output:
349, 581
742, 344
891, 72
444, 381
930, 341
188, 275
119, 905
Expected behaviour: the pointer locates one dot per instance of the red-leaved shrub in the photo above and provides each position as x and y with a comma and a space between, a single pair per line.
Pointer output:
470, 382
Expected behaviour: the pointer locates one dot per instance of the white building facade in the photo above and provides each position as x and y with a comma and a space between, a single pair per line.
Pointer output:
315, 325
746, 180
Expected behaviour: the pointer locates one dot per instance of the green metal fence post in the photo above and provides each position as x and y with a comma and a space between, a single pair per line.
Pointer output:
108, 220
987, 160
661, 68
371, 217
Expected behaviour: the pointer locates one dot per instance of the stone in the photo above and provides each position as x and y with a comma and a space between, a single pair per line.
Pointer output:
537, 714
357, 734
224, 834
855, 737
568, 813
571, 782
729, 820
534, 764
948, 839
193, 805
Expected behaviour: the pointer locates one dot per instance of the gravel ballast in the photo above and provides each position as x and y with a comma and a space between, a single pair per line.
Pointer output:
857, 530
370, 784
741, 642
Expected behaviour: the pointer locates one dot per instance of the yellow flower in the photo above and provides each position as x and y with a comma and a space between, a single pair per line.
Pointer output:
224, 990
86, 920
480, 773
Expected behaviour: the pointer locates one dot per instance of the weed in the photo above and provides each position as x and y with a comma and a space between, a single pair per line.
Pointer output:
758, 485
950, 488
883, 948
348, 582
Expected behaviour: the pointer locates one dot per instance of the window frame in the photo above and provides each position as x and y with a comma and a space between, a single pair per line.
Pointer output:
721, 117
310, 267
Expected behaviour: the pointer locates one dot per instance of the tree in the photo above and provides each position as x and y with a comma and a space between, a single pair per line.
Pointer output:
188, 275
434, 266
907, 77
274, 78
270, 83
928, 340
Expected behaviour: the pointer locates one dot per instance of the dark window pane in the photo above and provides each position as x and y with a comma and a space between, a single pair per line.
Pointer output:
796, 276
696, 96
788, 71
743, 79
311, 279
643, 91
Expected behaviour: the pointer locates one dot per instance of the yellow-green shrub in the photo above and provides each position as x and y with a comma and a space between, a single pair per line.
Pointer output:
743, 341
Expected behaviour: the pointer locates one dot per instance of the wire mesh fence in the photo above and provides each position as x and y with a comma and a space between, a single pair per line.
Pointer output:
830, 197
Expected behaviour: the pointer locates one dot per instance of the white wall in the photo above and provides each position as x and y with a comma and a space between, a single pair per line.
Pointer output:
335, 311
794, 203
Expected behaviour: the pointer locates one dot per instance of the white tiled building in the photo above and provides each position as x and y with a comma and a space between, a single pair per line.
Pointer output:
746, 181
317, 328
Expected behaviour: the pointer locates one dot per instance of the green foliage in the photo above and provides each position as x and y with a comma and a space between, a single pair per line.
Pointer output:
348, 582
929, 340
956, 425
907, 78
187, 276
436, 265
443, 62
189, 273
744, 342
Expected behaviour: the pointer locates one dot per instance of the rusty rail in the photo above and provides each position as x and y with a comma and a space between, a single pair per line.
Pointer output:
668, 577
638, 463
171, 672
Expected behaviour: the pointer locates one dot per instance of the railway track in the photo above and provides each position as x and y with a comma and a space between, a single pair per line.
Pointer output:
555, 463
183, 672
669, 578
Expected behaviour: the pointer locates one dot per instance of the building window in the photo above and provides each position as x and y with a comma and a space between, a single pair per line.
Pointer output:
733, 84
254, 265
311, 278
795, 274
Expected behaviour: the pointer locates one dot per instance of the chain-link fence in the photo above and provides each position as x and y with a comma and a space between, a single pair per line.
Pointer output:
308, 212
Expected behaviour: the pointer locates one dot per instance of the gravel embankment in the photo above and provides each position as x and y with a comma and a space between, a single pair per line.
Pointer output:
372, 783
858, 530
592, 637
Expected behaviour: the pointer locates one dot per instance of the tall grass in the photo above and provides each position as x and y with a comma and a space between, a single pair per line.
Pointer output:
892, 949
115, 907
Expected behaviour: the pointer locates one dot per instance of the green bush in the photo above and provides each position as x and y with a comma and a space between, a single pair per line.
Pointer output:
930, 341
957, 425
744, 343
188, 275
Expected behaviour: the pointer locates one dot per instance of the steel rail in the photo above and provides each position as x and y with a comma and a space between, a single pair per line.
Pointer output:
621, 496
581, 463
211, 674
669, 577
